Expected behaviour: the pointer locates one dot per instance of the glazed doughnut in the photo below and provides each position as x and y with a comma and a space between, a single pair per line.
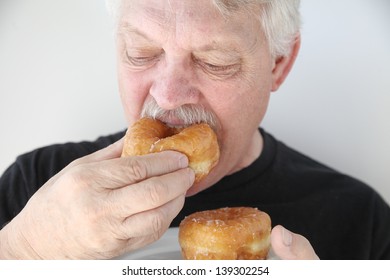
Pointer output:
225, 234
198, 142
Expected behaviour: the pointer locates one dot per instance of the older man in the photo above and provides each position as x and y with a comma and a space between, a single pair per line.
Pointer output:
184, 62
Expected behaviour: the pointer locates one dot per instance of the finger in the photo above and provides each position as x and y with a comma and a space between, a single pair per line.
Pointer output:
290, 246
120, 172
151, 193
153, 222
112, 151
135, 243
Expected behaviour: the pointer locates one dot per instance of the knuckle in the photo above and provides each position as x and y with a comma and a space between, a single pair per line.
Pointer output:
76, 162
138, 169
77, 176
153, 192
157, 222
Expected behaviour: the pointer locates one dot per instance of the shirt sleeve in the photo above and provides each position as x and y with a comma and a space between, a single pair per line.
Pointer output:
13, 194
381, 229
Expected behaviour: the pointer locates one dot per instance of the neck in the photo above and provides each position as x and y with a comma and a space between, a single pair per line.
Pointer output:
253, 153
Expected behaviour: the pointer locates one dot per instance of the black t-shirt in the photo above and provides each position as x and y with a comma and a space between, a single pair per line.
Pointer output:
341, 217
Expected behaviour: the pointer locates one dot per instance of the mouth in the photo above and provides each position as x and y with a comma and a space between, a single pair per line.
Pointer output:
179, 124
174, 122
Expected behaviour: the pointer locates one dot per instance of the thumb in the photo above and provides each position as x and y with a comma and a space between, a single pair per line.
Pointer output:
112, 151
291, 246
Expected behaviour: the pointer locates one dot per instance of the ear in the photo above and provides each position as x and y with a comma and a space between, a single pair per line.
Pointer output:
283, 64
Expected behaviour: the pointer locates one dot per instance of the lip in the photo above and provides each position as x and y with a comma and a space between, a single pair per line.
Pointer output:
173, 122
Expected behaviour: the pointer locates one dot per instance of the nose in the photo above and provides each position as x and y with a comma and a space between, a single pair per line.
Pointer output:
174, 87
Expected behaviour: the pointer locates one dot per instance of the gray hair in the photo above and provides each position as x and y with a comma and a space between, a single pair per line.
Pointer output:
280, 19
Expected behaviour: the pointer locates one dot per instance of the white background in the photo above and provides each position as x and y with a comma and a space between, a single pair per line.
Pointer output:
58, 82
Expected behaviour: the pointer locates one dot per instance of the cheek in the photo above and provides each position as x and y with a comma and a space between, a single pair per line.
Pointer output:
240, 108
239, 104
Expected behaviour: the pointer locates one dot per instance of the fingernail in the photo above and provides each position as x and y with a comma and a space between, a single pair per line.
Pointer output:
183, 161
192, 176
287, 237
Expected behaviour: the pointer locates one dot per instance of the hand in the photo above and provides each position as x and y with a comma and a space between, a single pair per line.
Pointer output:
100, 206
290, 246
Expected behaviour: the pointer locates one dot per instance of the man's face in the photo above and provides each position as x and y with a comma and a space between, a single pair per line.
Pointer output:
185, 52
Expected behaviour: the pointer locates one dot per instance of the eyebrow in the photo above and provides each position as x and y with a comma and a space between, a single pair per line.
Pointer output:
127, 28
216, 47
232, 51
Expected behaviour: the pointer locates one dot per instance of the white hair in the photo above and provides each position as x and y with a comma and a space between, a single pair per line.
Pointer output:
280, 19
188, 113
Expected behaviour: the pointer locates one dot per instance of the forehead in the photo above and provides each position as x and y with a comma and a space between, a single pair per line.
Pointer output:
193, 21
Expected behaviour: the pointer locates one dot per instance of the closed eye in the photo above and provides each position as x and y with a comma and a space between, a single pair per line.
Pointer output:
218, 68
222, 71
140, 62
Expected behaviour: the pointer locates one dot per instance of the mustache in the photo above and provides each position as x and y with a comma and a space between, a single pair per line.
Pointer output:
187, 113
